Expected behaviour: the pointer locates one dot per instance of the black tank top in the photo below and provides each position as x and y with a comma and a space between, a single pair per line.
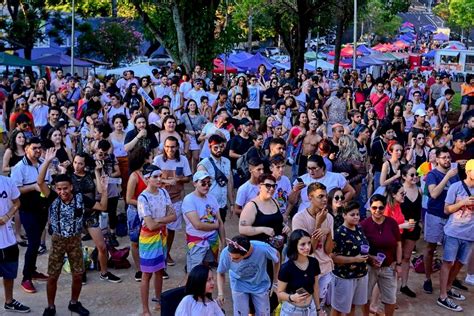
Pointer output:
274, 221
412, 209
14, 159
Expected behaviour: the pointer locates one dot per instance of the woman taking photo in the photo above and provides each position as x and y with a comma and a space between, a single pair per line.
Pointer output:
194, 123
411, 209
117, 139
40, 88
385, 253
155, 210
349, 287
418, 152
443, 137
135, 186
63, 154
298, 288
199, 288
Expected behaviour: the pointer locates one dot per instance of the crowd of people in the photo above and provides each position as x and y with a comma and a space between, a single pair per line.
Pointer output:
334, 177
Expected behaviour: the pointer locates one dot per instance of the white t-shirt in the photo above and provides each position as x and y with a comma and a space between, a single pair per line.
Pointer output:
172, 168
8, 192
282, 191
184, 88
196, 95
114, 111
246, 193
190, 307
331, 180
153, 205
223, 164
161, 91
210, 129
153, 117
40, 114
207, 209
254, 97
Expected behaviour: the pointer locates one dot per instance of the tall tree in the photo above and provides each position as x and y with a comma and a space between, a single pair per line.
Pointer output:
458, 13
25, 25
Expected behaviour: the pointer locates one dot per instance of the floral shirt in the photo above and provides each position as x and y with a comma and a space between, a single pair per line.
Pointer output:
347, 243
66, 219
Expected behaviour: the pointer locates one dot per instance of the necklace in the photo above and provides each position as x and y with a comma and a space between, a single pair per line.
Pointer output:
302, 267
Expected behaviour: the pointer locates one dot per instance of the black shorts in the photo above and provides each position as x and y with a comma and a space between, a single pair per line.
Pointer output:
254, 114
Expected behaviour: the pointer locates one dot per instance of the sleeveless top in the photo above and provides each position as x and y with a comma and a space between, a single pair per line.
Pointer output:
274, 221
14, 159
85, 185
61, 154
119, 148
419, 159
412, 209
141, 186
392, 172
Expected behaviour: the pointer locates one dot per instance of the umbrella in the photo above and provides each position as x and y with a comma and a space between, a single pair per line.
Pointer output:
12, 60
441, 37
60, 60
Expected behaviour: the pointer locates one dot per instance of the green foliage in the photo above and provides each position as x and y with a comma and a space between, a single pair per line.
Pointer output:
93, 8
261, 17
379, 20
462, 13
112, 41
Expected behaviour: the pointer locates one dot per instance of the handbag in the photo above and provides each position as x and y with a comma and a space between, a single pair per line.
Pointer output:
219, 176
194, 130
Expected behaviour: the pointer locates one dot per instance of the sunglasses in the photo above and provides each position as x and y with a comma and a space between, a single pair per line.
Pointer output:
269, 186
413, 175
206, 183
377, 208
313, 168
339, 197
166, 113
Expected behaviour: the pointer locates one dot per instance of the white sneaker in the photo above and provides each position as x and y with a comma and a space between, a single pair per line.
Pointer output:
469, 279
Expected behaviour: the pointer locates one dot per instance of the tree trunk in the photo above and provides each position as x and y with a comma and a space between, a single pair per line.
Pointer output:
250, 31
27, 50
182, 45
338, 44
114, 9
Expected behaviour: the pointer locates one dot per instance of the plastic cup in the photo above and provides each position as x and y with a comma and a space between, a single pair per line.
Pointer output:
411, 221
380, 257
364, 249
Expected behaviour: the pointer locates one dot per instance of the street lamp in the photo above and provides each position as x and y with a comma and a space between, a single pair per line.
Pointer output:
72, 36
354, 54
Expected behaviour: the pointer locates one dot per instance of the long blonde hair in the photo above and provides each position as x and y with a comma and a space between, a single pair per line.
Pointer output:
348, 149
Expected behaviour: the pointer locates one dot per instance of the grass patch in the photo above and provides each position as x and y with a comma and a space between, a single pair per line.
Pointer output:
456, 104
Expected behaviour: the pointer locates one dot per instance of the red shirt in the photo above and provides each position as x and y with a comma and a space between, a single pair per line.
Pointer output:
395, 212
382, 238
380, 104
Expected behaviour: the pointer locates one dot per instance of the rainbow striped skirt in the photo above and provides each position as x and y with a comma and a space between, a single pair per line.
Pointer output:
152, 249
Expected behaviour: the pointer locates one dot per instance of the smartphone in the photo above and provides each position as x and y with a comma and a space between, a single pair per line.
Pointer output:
299, 180
301, 291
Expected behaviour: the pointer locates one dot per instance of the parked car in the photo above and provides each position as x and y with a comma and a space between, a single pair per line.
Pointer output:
273, 51
160, 60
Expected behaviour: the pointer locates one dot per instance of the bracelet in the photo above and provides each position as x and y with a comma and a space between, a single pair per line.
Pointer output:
318, 309
289, 299
6, 214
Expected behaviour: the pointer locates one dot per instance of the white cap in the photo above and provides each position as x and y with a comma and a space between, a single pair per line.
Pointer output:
200, 175
420, 112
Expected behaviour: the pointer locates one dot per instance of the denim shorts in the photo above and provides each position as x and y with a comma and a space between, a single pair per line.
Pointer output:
434, 228
133, 223
261, 301
456, 249
288, 309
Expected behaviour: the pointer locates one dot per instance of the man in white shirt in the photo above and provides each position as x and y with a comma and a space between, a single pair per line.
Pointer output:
9, 253
217, 127
283, 184
196, 92
163, 88
253, 102
204, 227
214, 164
317, 173
57, 82
250, 188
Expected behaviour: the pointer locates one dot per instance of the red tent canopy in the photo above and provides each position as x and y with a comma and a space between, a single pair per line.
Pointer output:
400, 44
219, 67
342, 64
346, 52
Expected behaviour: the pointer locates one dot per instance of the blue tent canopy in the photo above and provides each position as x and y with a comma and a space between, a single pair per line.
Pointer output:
252, 63
429, 28
60, 60
239, 57
430, 54
364, 50
371, 61
441, 37
359, 63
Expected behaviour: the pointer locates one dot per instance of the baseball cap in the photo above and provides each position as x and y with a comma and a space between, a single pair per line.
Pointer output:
470, 165
200, 175
154, 71
276, 123
420, 112
245, 121
151, 170
62, 88
459, 136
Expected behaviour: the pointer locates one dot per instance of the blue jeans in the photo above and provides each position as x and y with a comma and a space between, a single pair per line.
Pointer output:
261, 301
376, 180
34, 223
362, 199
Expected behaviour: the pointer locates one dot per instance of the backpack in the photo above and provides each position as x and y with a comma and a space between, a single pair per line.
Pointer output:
118, 258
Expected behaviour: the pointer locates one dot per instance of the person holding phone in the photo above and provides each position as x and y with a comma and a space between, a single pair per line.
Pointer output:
298, 288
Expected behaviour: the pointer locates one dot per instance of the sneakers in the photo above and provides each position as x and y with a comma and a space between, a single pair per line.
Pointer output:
16, 306
428, 287
138, 276
84, 278
78, 309
108, 276
458, 285
42, 250
28, 286
165, 275
49, 311
170, 261
449, 304
457, 296
469, 279
405, 290
86, 237
37, 276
